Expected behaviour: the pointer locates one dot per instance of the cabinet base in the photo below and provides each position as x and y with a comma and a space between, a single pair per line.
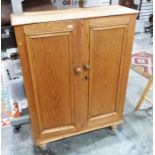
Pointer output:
42, 142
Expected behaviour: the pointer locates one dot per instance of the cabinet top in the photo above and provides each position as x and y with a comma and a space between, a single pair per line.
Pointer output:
76, 13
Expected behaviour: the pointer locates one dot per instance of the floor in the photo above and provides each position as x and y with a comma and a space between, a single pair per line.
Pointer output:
133, 137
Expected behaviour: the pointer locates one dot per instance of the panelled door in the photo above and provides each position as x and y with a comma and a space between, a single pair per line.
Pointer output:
50, 51
107, 46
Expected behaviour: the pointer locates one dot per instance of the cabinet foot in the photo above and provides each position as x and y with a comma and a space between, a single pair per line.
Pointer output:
42, 146
114, 127
41, 150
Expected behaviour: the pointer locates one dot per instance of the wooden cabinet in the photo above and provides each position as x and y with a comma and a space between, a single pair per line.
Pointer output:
75, 68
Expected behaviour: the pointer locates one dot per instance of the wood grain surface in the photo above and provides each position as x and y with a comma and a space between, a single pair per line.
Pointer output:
62, 101
76, 13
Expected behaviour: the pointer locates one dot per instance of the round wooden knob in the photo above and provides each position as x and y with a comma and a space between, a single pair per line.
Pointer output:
86, 67
78, 70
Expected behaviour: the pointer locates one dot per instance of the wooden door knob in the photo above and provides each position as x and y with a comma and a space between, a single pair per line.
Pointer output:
86, 66
78, 70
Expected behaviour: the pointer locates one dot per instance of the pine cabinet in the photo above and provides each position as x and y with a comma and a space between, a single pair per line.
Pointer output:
75, 65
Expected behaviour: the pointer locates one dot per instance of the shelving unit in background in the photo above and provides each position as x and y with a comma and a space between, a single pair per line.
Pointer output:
145, 14
145, 9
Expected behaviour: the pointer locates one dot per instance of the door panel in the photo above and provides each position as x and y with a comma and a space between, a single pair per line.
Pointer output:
106, 50
50, 58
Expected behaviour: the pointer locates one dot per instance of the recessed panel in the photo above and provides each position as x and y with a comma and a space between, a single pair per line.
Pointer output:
51, 62
106, 47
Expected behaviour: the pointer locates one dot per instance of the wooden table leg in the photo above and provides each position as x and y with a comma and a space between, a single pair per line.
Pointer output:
149, 84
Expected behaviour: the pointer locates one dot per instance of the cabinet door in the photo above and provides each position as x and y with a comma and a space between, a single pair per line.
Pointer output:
50, 47
107, 47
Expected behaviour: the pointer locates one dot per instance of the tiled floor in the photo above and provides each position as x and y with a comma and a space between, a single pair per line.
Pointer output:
133, 137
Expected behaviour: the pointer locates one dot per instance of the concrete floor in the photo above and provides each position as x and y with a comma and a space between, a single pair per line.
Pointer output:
133, 137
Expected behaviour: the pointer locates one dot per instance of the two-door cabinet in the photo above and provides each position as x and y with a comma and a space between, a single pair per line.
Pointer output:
75, 65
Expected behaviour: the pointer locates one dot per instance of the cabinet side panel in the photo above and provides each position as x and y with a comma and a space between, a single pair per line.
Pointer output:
21, 42
126, 60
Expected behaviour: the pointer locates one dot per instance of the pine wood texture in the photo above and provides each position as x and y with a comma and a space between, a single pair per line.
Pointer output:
75, 73
78, 13
105, 60
49, 76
